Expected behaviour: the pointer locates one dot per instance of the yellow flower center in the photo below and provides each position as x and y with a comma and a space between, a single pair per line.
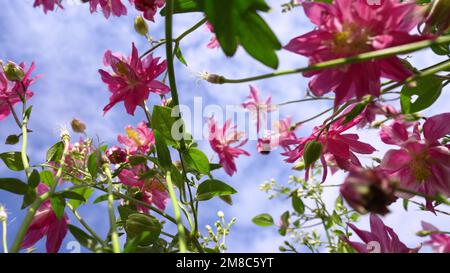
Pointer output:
134, 135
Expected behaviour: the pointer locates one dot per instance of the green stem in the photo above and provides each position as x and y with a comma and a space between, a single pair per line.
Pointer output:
112, 216
24, 156
39, 200
402, 49
177, 40
85, 225
304, 100
5, 244
176, 210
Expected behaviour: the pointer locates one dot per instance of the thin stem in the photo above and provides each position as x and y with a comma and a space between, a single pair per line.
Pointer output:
178, 39
176, 210
314, 117
304, 100
85, 225
402, 49
428, 197
5, 244
16, 118
112, 216
39, 200
26, 164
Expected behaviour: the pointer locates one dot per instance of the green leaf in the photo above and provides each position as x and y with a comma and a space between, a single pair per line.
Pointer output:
162, 151
92, 165
427, 89
28, 198
405, 204
177, 177
163, 121
196, 160
263, 220
298, 204
34, 179
137, 160
13, 185
237, 22
180, 56
13, 160
12, 139
83, 238
102, 198
183, 6
84, 192
212, 188
442, 49
336, 218
73, 195
58, 204
55, 152
47, 177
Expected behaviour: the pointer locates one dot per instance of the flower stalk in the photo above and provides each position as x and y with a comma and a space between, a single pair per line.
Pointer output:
176, 210
112, 216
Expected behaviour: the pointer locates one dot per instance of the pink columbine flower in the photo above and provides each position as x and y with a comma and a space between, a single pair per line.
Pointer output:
151, 191
116, 155
259, 109
138, 140
421, 165
47, 5
45, 223
368, 190
11, 92
282, 135
221, 140
380, 239
149, 7
132, 79
116, 7
350, 27
440, 242
334, 142
213, 42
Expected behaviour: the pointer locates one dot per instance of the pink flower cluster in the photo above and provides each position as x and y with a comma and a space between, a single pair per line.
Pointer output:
139, 141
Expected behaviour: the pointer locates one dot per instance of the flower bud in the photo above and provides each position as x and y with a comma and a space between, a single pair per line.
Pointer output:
116, 155
368, 190
212, 78
313, 151
424, 233
140, 26
3, 214
220, 214
438, 19
78, 126
13, 72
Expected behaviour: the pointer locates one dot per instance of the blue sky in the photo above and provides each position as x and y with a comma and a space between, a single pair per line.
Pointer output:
68, 46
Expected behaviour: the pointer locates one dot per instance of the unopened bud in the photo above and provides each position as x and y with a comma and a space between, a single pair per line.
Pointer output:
220, 214
140, 26
13, 72
78, 126
313, 151
3, 214
424, 233
213, 78
137, 223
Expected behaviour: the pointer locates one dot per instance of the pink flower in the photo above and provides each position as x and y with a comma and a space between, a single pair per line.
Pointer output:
257, 108
47, 5
151, 190
368, 190
440, 242
221, 140
381, 239
108, 6
11, 92
283, 134
139, 140
149, 7
350, 27
133, 79
341, 146
375, 108
421, 165
213, 43
45, 223
116, 155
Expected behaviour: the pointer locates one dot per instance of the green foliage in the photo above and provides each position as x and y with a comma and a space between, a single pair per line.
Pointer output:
212, 188
263, 220
427, 89
13, 160
13, 185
